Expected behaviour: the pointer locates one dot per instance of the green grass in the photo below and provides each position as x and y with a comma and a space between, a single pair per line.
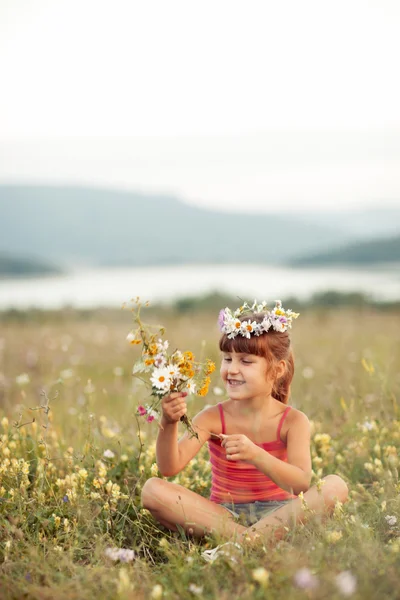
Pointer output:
346, 381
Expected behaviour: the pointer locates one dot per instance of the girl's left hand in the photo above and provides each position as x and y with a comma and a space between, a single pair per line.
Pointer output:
239, 447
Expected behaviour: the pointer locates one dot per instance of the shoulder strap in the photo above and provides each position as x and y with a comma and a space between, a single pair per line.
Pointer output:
278, 434
221, 412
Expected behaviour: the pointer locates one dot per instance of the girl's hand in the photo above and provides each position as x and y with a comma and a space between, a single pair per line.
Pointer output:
239, 447
174, 407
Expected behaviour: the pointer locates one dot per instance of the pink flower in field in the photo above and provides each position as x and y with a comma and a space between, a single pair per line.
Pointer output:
141, 410
150, 418
304, 579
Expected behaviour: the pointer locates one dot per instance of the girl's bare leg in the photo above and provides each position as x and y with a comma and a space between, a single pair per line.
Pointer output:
172, 505
321, 502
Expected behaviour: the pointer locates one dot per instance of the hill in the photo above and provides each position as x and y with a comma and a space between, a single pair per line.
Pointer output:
361, 253
13, 267
89, 226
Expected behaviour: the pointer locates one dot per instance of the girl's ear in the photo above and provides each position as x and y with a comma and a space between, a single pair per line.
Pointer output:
280, 369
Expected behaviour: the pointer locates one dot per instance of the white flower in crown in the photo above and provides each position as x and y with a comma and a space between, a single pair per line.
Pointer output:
277, 318
249, 327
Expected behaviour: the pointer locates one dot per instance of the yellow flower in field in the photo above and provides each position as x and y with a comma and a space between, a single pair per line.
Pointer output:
95, 495
4, 423
154, 470
124, 458
83, 474
57, 521
66, 525
96, 483
369, 368
157, 592
333, 536
260, 575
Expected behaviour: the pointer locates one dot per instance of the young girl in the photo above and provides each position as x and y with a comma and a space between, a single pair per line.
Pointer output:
259, 446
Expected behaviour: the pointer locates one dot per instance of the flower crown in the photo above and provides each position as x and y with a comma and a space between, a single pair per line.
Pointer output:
278, 318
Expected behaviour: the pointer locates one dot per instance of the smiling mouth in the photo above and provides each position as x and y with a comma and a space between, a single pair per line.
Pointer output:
235, 382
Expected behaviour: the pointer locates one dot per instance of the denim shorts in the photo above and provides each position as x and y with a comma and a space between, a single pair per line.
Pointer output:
251, 512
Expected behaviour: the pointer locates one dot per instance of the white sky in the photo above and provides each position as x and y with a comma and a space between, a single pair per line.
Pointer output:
202, 93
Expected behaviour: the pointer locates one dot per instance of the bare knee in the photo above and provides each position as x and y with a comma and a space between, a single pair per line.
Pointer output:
151, 492
334, 489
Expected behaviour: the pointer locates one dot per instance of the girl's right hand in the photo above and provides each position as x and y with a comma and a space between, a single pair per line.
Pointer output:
174, 407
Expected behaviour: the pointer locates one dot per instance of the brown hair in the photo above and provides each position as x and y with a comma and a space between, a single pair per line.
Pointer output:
273, 346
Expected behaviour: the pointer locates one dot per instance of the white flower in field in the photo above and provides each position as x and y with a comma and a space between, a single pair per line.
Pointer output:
308, 372
22, 379
260, 575
108, 453
217, 391
305, 580
391, 520
346, 583
122, 554
197, 590
190, 386
160, 379
66, 374
157, 592
368, 426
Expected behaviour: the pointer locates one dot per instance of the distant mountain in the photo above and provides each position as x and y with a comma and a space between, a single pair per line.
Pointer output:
361, 253
70, 226
15, 267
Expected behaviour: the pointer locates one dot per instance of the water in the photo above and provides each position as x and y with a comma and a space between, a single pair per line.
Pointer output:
87, 288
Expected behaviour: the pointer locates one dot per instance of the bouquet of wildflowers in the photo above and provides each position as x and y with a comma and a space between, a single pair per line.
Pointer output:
165, 372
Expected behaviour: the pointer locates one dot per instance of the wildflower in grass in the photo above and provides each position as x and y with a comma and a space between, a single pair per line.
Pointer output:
120, 554
108, 453
4, 423
305, 580
346, 583
333, 536
22, 379
391, 520
141, 410
308, 372
260, 575
157, 592
196, 590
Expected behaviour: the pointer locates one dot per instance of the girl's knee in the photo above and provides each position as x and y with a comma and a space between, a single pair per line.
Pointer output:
335, 489
151, 492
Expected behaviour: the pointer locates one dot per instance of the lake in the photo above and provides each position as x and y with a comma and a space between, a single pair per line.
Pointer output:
87, 288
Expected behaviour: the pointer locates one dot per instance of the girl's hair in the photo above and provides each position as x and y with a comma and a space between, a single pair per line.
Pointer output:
273, 346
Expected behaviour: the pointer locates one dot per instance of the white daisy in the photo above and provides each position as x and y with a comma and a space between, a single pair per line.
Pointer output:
161, 379
173, 371
248, 327
190, 387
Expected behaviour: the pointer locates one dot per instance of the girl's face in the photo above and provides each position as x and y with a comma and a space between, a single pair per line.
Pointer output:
245, 375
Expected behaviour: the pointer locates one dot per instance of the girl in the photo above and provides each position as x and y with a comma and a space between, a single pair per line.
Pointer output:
259, 446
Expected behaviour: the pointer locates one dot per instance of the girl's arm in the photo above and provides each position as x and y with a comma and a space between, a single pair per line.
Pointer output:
293, 476
173, 455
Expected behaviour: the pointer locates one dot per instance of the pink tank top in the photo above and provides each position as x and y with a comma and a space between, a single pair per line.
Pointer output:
239, 482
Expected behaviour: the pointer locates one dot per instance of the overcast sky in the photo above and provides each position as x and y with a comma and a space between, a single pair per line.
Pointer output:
224, 103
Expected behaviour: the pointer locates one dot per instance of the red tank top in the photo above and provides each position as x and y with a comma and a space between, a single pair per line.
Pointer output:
240, 482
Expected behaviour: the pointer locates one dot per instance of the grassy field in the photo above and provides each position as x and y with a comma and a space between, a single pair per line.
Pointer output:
73, 459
